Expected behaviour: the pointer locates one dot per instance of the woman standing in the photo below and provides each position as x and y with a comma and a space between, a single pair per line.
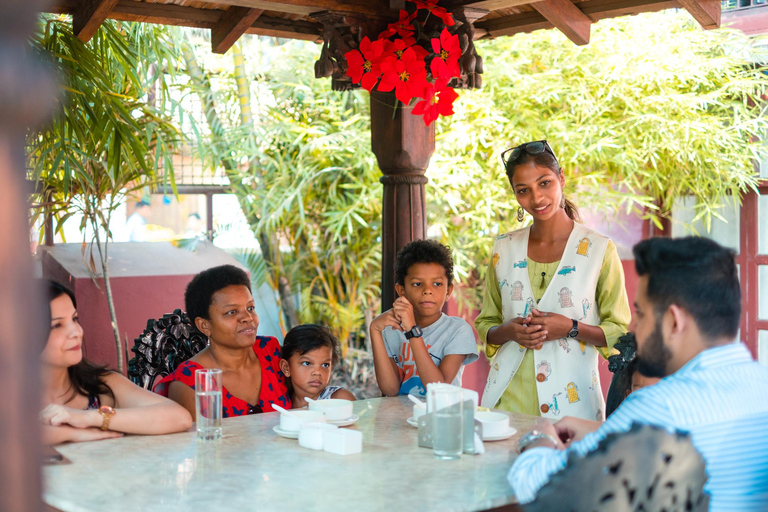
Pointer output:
554, 296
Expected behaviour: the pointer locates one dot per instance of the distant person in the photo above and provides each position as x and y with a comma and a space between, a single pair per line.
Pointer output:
687, 313
415, 343
309, 353
86, 402
136, 225
195, 227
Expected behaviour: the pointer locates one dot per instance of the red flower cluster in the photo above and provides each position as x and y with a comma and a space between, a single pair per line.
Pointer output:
400, 64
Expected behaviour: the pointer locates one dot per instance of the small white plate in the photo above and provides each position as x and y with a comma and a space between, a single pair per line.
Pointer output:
413, 422
290, 434
509, 433
345, 422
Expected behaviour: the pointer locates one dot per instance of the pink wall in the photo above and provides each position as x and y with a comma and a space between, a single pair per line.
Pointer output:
148, 280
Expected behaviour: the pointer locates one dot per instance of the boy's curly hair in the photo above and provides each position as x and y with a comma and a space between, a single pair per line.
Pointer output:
423, 251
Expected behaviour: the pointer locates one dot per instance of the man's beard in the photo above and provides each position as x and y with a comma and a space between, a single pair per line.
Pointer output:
653, 361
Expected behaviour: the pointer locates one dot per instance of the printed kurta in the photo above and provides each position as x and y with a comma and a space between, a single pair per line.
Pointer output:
562, 377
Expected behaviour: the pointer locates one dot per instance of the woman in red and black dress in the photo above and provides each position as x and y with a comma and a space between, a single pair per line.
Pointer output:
220, 304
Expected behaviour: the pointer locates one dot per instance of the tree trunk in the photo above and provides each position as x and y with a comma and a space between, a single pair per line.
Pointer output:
282, 283
103, 255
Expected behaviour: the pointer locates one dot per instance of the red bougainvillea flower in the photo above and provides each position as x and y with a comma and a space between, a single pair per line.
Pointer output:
438, 101
447, 54
440, 12
401, 27
364, 64
406, 75
398, 47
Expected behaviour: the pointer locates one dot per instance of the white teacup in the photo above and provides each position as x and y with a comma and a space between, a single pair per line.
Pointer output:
335, 409
293, 422
419, 411
494, 423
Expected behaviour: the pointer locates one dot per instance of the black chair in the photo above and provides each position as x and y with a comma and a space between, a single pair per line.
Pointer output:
622, 365
162, 347
646, 468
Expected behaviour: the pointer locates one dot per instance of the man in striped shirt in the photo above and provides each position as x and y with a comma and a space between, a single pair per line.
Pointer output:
687, 312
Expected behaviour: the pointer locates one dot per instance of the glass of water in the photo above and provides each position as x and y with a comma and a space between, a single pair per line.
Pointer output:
208, 404
447, 422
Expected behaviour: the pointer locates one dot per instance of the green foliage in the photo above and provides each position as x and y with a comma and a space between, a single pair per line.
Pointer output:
312, 187
111, 133
652, 110
106, 138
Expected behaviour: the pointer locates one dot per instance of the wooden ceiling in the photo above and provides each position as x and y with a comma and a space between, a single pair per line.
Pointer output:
299, 19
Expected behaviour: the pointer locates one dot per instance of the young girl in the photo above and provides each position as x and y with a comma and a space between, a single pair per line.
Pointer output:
308, 356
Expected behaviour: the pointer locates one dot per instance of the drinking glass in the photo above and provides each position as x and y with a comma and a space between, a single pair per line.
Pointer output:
208, 404
447, 423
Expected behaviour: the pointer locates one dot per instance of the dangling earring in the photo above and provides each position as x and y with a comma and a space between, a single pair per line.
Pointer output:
562, 202
520, 214
209, 340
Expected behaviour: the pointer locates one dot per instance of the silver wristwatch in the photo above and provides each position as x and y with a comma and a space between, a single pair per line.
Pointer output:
533, 436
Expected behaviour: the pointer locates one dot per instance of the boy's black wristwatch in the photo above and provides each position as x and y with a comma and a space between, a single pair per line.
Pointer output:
416, 332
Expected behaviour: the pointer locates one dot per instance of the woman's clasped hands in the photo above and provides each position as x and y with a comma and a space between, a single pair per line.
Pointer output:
536, 328
553, 325
83, 425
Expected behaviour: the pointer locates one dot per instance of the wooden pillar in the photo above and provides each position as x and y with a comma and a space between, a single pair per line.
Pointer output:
403, 146
25, 87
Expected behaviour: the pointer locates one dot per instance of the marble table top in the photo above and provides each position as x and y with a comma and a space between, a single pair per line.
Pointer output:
252, 468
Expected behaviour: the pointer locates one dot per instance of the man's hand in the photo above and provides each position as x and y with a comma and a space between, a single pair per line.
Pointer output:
545, 427
570, 429
404, 312
384, 320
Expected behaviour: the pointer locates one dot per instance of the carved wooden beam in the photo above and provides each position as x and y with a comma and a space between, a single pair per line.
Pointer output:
231, 25
490, 5
307, 7
706, 12
567, 18
88, 17
177, 15
595, 10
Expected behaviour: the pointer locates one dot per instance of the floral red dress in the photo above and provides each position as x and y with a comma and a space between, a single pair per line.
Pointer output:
273, 388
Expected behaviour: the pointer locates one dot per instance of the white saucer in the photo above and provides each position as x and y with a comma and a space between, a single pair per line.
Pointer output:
509, 433
290, 434
345, 422
413, 422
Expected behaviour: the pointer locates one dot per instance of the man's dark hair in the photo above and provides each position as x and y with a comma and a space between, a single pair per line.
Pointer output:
696, 274
199, 294
141, 204
423, 251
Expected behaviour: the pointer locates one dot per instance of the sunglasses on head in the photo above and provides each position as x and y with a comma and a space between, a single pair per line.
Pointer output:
532, 148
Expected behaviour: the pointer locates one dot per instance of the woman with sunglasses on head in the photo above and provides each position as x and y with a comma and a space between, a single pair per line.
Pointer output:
554, 298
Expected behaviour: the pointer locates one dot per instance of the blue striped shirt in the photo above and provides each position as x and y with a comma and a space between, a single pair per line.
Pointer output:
720, 397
